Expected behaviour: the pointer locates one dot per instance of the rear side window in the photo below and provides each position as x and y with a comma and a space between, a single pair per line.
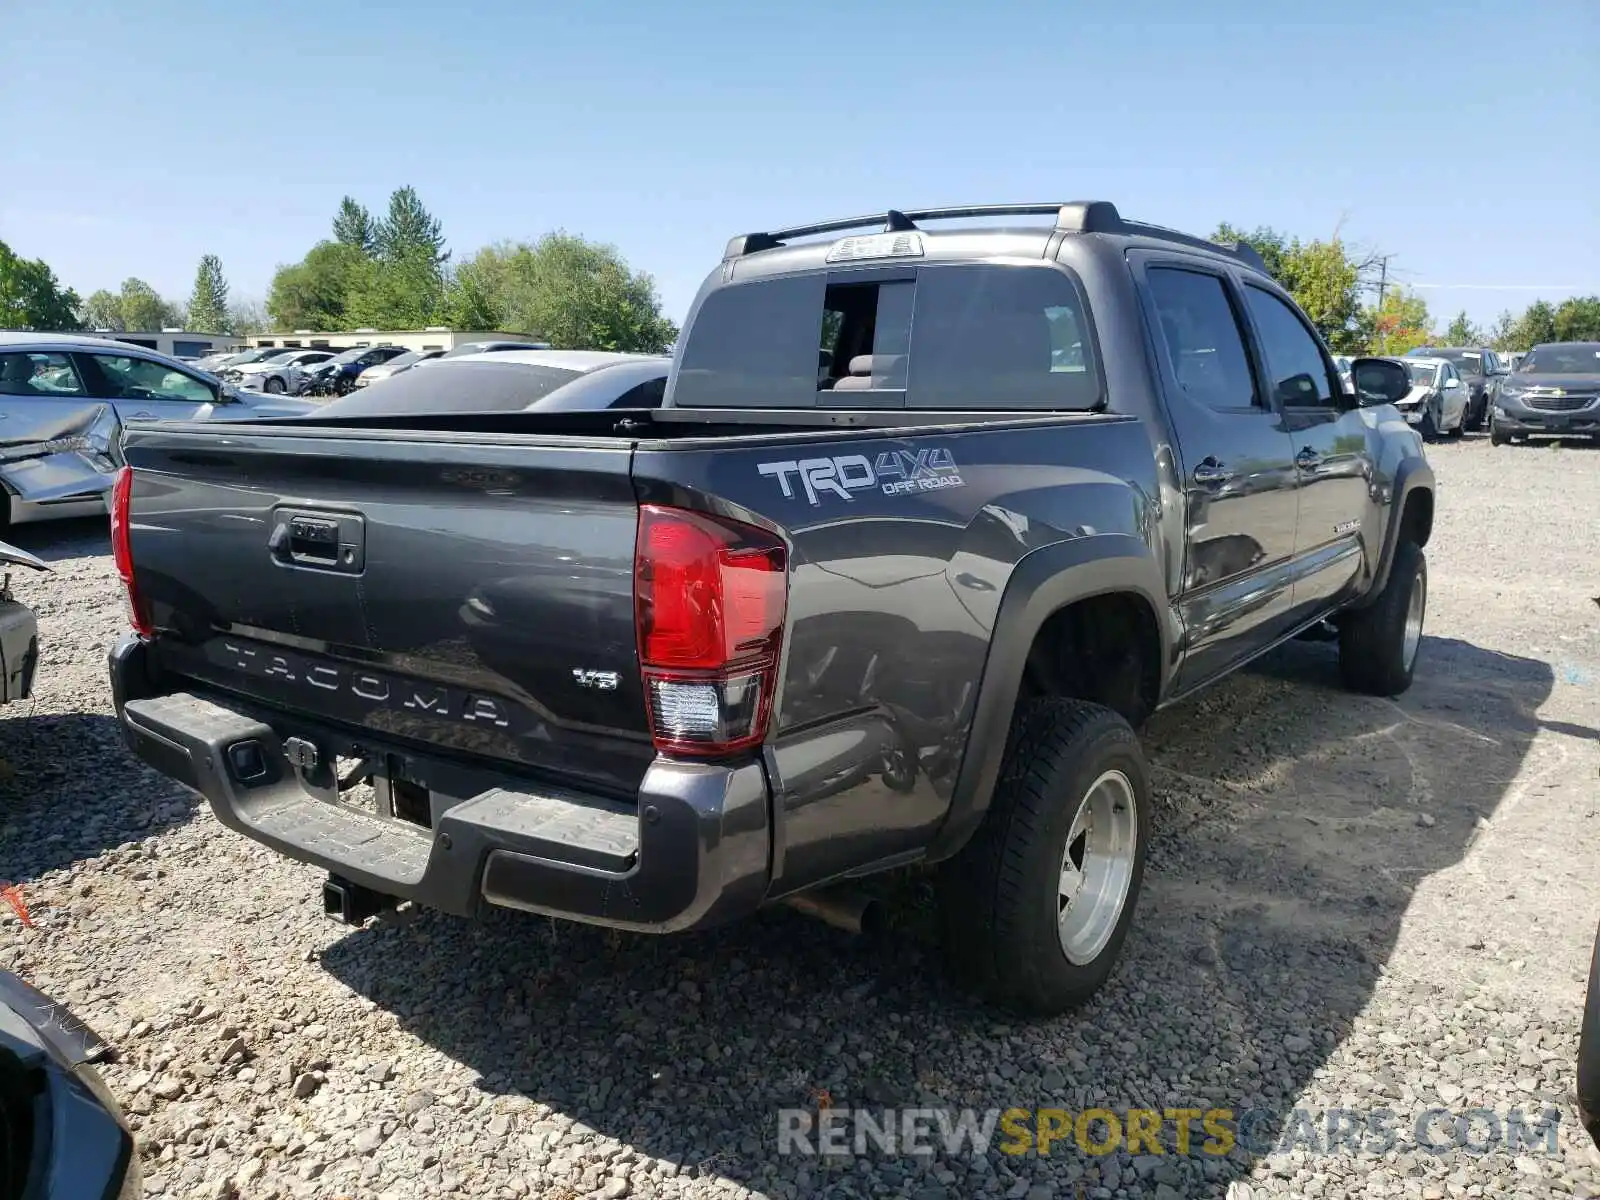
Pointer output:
955, 336
1000, 337
38, 374
1202, 337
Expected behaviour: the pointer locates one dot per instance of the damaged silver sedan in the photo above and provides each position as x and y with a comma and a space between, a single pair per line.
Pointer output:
64, 399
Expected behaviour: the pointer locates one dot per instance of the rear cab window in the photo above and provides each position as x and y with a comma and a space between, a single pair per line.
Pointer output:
936, 336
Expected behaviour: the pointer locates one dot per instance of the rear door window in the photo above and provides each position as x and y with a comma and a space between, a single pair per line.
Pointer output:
972, 336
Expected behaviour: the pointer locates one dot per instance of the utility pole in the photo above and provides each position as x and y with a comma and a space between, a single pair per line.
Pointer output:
1383, 286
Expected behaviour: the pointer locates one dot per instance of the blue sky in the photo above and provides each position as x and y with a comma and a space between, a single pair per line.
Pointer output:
1462, 138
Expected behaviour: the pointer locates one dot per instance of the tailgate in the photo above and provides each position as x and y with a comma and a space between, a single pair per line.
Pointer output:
471, 595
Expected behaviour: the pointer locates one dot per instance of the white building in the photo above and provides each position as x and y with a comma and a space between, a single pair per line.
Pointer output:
434, 337
179, 343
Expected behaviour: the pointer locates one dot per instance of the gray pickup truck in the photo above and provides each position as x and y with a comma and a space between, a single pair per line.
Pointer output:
930, 521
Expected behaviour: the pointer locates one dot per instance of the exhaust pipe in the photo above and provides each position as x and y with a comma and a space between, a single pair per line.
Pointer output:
851, 911
350, 903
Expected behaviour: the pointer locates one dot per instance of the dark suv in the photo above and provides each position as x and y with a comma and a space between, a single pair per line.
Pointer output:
1480, 368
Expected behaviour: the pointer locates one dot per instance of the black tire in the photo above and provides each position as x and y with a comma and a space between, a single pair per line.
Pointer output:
1372, 640
999, 898
273, 386
1460, 428
1498, 436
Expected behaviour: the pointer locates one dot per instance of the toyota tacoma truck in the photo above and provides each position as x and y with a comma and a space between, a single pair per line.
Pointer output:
931, 519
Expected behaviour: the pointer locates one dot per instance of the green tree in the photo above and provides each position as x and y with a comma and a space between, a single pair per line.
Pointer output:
353, 226
1578, 319
1401, 323
315, 293
103, 310
1321, 276
471, 300
143, 309
30, 296
575, 294
208, 303
410, 230
1462, 332
405, 292
1537, 324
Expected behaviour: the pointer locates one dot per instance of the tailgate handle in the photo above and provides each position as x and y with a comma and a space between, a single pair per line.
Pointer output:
326, 541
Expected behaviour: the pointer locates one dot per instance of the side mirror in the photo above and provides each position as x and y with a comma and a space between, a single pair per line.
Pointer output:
1379, 381
1452, 383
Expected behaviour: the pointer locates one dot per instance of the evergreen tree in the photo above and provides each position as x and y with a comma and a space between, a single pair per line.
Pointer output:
208, 304
353, 226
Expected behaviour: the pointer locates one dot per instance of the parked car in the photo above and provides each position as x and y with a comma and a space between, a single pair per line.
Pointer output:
657, 669
492, 348
1437, 403
279, 374
63, 402
140, 384
338, 374
1555, 390
526, 380
19, 631
1481, 371
62, 1136
395, 366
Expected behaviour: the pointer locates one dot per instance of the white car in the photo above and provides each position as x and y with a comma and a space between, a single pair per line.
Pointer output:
278, 374
1437, 403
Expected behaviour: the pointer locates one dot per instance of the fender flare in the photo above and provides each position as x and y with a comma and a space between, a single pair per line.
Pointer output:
1413, 475
1042, 583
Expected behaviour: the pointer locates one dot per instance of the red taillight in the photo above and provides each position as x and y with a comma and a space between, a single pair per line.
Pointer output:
709, 598
122, 550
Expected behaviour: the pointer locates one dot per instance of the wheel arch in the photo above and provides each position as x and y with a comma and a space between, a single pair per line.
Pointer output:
1048, 589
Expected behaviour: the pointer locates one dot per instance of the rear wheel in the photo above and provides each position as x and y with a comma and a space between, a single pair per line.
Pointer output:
1034, 910
1379, 644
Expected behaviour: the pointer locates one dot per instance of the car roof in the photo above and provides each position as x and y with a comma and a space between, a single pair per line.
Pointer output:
12, 340
1428, 360
569, 360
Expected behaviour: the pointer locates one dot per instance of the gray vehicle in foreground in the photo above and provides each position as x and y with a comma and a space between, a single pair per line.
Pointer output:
1555, 390
929, 522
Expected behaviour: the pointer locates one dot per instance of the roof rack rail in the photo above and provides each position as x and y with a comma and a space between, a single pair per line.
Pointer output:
1076, 216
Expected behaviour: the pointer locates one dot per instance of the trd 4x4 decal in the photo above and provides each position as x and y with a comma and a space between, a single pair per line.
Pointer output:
894, 472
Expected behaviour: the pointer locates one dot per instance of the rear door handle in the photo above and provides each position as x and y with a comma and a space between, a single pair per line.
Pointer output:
1209, 473
144, 416
1308, 459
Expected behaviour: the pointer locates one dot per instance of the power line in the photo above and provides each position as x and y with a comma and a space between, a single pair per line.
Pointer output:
1509, 287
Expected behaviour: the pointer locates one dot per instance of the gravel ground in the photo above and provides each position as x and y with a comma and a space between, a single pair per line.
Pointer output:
1352, 904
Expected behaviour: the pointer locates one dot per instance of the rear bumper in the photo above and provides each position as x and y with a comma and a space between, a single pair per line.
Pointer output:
693, 851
